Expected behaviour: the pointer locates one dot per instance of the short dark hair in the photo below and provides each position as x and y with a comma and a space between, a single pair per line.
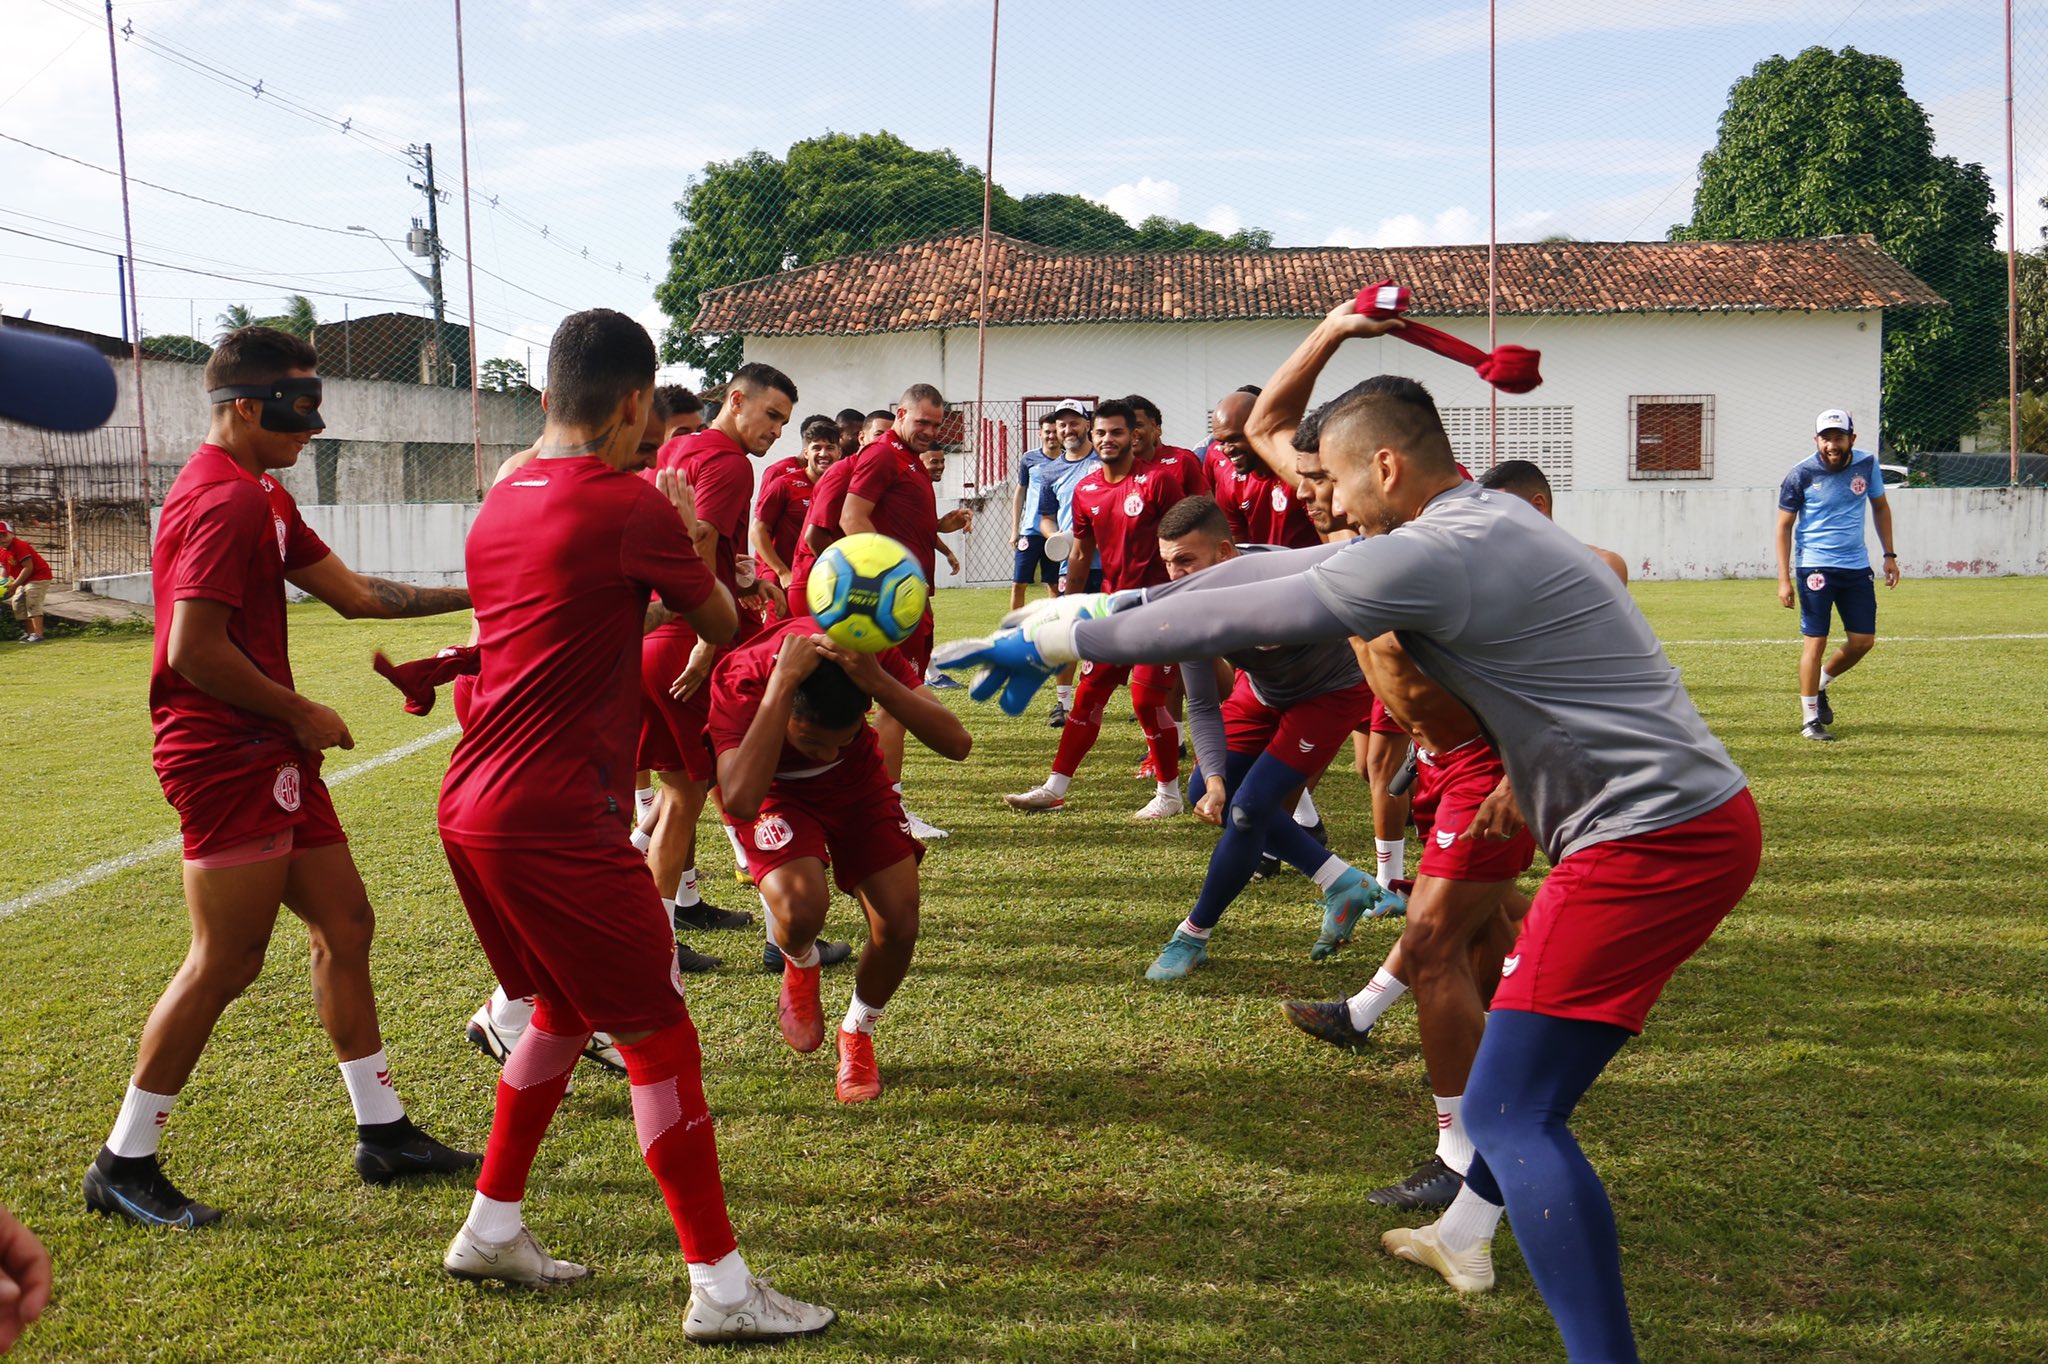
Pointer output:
675, 400
755, 377
1517, 476
1395, 411
880, 414
1047, 419
920, 393
595, 359
1252, 389
1192, 514
849, 415
829, 699
819, 427
1115, 407
1138, 402
257, 355
1308, 436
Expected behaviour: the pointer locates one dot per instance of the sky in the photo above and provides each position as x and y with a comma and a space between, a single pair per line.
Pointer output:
1324, 123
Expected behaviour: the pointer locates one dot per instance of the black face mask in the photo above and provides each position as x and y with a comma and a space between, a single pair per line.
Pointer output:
280, 403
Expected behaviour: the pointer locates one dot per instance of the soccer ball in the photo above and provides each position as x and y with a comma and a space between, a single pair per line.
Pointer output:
867, 592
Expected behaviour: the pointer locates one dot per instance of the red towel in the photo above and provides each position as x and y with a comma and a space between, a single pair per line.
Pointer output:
1511, 369
419, 678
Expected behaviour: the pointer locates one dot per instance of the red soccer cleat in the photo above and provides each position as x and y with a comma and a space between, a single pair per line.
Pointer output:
798, 1010
859, 1080
1147, 770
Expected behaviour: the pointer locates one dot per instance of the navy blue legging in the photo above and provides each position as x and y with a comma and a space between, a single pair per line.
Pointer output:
1259, 819
1529, 1075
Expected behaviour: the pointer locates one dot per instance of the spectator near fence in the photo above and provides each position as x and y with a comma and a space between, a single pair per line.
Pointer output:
28, 582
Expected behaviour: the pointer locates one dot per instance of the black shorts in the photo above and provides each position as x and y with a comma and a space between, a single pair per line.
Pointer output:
1823, 592
1032, 561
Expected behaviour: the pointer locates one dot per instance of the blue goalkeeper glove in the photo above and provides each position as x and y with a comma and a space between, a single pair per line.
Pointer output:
1033, 644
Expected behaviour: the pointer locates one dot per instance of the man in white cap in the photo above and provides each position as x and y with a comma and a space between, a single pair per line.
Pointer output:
1821, 504
1052, 494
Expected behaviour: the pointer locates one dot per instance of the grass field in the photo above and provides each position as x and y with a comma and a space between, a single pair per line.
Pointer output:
1830, 1143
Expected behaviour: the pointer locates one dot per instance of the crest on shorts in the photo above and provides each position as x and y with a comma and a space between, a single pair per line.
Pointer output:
1134, 505
1858, 485
772, 832
1446, 837
285, 790
1087, 666
904, 825
1508, 964
1816, 581
1280, 498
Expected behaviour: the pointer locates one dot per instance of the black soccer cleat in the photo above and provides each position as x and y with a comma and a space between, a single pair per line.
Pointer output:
1327, 1022
136, 1188
400, 1150
690, 960
1320, 831
1269, 867
1057, 717
1814, 729
705, 917
1431, 1184
829, 954
1827, 710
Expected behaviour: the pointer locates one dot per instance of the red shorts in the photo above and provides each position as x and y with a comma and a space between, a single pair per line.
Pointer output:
1613, 921
1448, 790
221, 810
856, 828
672, 737
1379, 722
917, 647
1305, 736
581, 926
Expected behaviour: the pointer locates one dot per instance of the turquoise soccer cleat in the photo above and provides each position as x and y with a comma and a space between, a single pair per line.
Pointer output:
1179, 958
1354, 897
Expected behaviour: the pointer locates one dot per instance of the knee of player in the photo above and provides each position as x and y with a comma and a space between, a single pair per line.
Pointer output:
1429, 944
894, 923
1244, 818
227, 971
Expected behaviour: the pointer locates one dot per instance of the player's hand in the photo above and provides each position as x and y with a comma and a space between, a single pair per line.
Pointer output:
1785, 593
960, 518
1498, 818
1344, 319
691, 677
1210, 806
953, 564
1010, 663
671, 484
745, 572
863, 670
1891, 572
319, 727
798, 657
24, 1279
1073, 606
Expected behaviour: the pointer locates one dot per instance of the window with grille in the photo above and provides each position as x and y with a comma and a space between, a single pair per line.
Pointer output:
1671, 436
1541, 435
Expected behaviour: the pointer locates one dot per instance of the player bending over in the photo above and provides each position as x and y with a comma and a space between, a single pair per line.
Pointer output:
806, 786
561, 560
238, 751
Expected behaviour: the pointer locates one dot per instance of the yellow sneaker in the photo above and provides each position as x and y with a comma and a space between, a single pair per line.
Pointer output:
1471, 1272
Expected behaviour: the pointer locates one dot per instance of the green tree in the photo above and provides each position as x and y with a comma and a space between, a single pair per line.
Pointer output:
503, 376
298, 317
1830, 142
171, 346
847, 192
2033, 301
235, 318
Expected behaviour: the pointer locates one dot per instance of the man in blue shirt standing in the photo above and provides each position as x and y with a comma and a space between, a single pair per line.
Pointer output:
1052, 493
1031, 560
1822, 502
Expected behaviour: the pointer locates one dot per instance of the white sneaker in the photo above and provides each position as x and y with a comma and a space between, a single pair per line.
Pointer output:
923, 832
491, 1037
601, 1050
1037, 798
1471, 1272
763, 1314
518, 1261
1163, 806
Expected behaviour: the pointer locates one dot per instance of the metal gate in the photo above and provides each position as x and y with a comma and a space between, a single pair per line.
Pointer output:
83, 507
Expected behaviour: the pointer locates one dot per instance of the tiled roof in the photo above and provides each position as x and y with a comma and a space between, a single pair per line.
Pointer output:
934, 282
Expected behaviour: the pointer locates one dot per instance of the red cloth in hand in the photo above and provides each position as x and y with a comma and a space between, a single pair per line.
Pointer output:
1511, 369
419, 678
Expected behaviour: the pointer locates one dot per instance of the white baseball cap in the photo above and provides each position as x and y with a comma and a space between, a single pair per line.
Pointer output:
1834, 419
1080, 407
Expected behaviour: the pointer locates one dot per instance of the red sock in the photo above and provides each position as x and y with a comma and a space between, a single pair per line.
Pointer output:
536, 1076
667, 1073
1162, 735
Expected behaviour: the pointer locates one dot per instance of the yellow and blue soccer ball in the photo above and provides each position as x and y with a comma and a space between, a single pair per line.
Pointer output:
867, 592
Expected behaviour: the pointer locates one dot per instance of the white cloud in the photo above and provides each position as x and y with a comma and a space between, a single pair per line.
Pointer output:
1533, 21
1140, 200
1222, 218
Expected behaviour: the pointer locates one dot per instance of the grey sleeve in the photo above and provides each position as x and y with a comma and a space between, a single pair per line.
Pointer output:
1205, 716
1248, 568
1202, 625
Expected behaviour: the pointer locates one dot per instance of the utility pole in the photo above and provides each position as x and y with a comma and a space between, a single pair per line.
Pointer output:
428, 244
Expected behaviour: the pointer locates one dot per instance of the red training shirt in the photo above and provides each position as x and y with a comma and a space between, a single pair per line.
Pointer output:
785, 501
828, 501
888, 474
560, 562
1123, 518
1263, 510
21, 554
741, 680
1193, 476
229, 536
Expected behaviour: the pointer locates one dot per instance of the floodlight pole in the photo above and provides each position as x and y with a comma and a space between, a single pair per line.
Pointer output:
132, 304
1492, 234
2012, 276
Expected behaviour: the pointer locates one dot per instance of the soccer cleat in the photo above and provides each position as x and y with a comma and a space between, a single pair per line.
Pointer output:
1354, 897
415, 1153
923, 832
601, 1050
829, 954
1327, 1022
138, 1190
1269, 867
1147, 770
1471, 1272
1431, 1184
740, 877
519, 1261
1319, 831
491, 1037
1037, 798
763, 1314
1163, 805
1057, 717
797, 1010
705, 917
941, 682
691, 960
1181, 955
1827, 709
859, 1079
1814, 729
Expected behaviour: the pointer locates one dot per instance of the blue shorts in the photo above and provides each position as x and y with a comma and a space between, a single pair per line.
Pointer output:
1848, 591
1032, 561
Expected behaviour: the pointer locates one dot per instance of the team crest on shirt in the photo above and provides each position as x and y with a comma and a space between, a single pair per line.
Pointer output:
285, 789
1134, 505
1280, 499
1816, 581
1858, 485
283, 535
772, 832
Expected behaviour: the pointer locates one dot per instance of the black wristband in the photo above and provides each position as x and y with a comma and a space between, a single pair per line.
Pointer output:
1891, 556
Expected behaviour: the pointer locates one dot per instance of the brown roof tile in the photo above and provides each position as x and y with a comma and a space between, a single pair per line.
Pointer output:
934, 281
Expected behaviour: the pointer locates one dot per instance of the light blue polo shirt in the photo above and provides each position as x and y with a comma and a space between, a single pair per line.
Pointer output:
1828, 531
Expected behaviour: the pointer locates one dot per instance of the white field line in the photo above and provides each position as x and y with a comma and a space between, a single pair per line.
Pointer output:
1792, 640
164, 847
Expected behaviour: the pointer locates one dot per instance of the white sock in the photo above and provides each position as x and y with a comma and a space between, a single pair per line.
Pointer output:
493, 1220
1468, 1223
686, 892
1825, 678
370, 1089
1066, 695
1393, 857
1452, 1145
1330, 873
1058, 783
641, 840
1188, 927
509, 1014
1305, 810
897, 787
1375, 999
1809, 708
1168, 790
739, 851
806, 959
723, 1281
643, 801
861, 1016
140, 1125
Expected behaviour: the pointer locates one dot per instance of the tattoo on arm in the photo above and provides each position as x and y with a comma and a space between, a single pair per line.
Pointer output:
657, 616
403, 599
